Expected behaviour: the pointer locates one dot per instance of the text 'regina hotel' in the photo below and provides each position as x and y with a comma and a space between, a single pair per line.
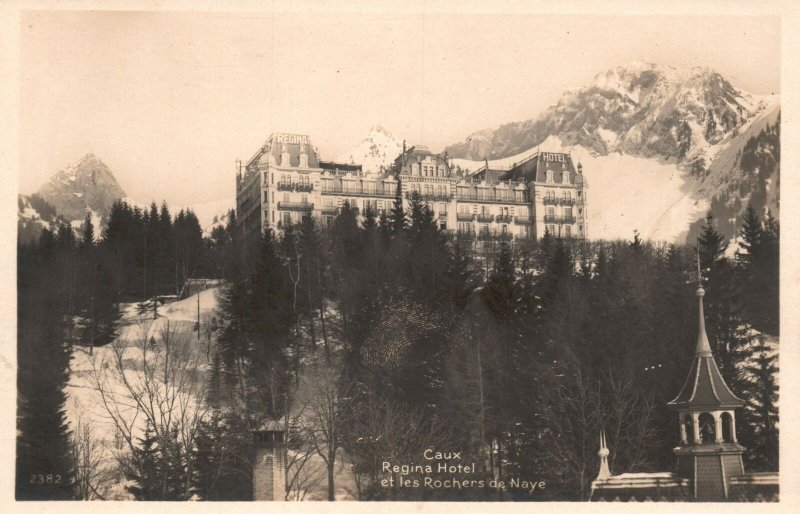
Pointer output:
285, 180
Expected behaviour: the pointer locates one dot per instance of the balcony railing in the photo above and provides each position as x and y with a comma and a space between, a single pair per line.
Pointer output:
522, 220
359, 191
491, 198
464, 216
485, 218
564, 220
329, 211
294, 186
295, 206
552, 200
443, 214
432, 196
503, 219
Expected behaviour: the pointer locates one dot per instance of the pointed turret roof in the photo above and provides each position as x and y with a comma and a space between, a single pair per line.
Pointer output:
704, 388
605, 472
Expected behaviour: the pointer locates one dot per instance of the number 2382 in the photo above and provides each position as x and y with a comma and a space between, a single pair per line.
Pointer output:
45, 479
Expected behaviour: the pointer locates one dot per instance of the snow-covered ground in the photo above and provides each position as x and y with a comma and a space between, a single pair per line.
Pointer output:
86, 405
89, 373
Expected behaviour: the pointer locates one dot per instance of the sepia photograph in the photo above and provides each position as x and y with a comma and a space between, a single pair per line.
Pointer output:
397, 252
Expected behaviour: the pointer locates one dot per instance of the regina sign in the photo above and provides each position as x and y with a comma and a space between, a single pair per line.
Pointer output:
291, 139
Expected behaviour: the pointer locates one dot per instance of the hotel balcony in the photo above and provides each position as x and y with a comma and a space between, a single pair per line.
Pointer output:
358, 191
485, 218
491, 198
443, 214
464, 216
432, 196
503, 219
522, 220
294, 186
563, 220
329, 210
552, 200
295, 206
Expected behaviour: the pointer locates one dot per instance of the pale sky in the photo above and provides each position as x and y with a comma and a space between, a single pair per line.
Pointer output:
169, 101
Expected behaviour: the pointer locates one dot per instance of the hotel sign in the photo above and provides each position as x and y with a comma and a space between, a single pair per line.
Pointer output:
291, 139
554, 157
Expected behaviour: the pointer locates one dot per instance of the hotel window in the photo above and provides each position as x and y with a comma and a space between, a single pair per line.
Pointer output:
568, 212
551, 229
567, 231
287, 218
551, 211
549, 175
304, 199
565, 177
504, 229
285, 197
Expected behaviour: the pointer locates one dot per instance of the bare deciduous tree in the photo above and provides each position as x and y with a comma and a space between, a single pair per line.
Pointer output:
157, 381
87, 457
323, 394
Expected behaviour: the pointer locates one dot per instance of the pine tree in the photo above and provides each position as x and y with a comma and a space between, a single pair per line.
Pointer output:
398, 215
499, 291
43, 461
762, 404
88, 231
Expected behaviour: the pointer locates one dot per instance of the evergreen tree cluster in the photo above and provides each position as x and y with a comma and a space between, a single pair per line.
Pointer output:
153, 253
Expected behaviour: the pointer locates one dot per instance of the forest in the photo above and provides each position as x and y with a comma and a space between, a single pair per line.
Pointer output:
374, 340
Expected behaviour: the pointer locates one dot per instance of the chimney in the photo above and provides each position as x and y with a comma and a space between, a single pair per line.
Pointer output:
269, 466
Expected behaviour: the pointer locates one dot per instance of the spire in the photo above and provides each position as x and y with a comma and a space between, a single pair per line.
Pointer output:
603, 452
703, 348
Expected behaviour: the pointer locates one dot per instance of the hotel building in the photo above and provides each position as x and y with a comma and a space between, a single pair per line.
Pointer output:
285, 180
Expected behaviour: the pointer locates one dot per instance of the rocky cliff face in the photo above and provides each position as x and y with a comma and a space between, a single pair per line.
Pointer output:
637, 109
85, 185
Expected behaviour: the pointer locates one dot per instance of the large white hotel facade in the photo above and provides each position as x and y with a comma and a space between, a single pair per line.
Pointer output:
285, 180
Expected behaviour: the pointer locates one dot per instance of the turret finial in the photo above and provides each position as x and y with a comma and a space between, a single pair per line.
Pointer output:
603, 452
703, 347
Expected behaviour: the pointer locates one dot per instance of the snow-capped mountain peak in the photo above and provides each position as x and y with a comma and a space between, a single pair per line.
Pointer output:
86, 185
377, 151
